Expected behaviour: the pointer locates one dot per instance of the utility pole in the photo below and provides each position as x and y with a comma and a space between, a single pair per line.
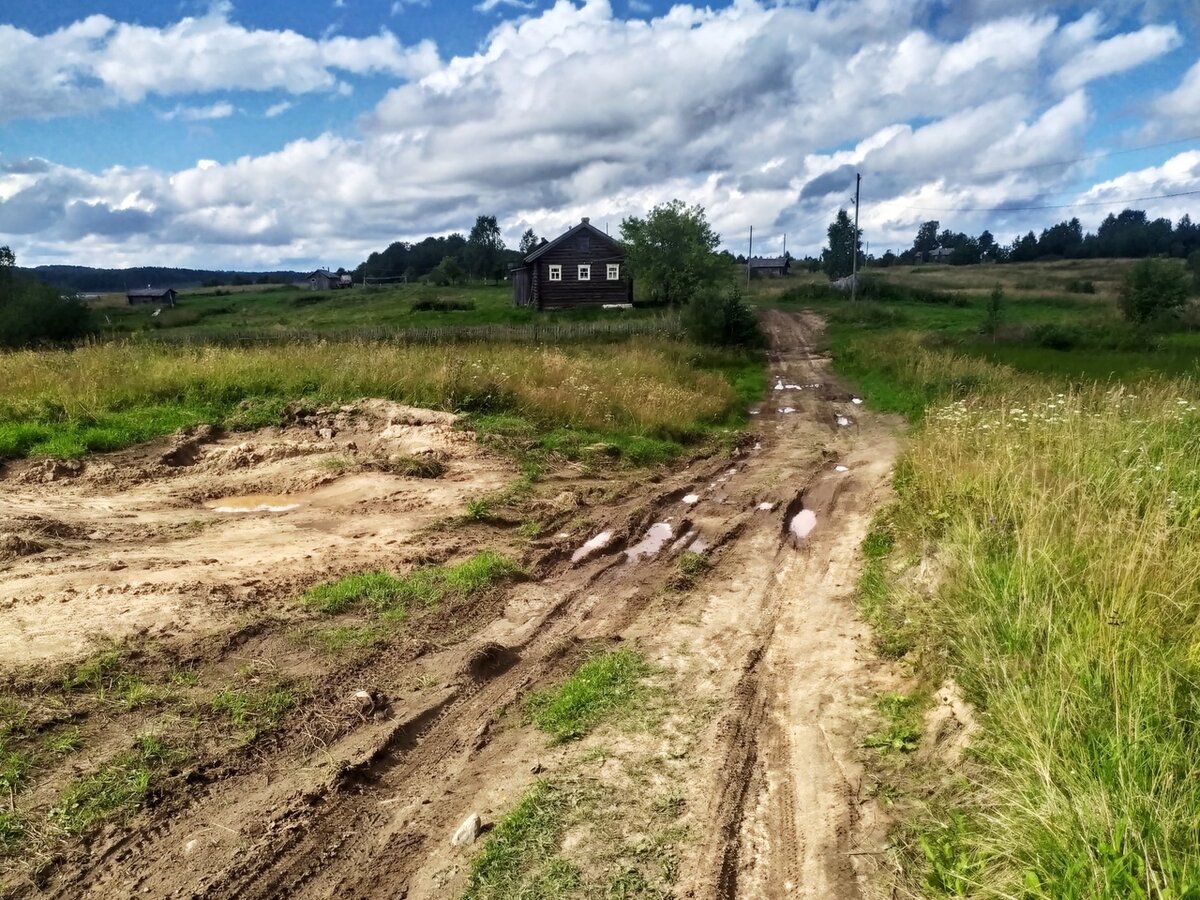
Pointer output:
749, 256
854, 242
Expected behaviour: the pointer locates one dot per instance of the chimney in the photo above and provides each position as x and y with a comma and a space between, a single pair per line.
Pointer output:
586, 220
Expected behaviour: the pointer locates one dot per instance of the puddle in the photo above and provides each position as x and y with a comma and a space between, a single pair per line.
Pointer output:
843, 421
857, 401
755, 412
779, 385
257, 503
765, 506
787, 410
699, 545
599, 542
795, 387
803, 523
840, 469
758, 446
691, 499
683, 541
656, 536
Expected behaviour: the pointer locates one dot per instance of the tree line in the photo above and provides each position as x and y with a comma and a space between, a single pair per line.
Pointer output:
453, 259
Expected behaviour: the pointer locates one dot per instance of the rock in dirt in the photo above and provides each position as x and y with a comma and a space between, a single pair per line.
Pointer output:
13, 546
54, 470
468, 831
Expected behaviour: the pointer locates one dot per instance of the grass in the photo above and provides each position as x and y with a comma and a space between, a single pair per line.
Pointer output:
427, 586
102, 674
347, 638
520, 857
65, 742
254, 712
601, 687
12, 833
103, 397
115, 790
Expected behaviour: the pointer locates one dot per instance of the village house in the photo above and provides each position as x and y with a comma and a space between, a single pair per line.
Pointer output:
769, 267
582, 267
324, 280
157, 296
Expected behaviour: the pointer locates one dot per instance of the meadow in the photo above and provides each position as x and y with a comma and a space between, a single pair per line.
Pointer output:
1042, 551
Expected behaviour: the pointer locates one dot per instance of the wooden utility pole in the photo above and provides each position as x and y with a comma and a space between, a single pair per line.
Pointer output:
749, 256
854, 242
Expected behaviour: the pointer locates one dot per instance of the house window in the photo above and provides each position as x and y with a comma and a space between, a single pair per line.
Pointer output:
556, 273
585, 273
614, 271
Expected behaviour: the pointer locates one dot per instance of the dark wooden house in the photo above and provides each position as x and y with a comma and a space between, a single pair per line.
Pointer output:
769, 267
324, 280
157, 296
583, 267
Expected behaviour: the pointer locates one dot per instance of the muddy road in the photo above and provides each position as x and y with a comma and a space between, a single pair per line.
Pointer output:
201, 552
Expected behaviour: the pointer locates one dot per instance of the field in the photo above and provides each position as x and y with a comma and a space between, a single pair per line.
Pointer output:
227, 312
905, 607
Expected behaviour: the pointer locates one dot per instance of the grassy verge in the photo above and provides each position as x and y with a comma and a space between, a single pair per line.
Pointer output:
115, 790
1062, 516
104, 397
602, 686
395, 595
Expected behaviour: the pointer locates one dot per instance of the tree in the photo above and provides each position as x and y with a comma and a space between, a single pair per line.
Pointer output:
1193, 263
672, 252
927, 238
529, 242
448, 271
484, 246
1154, 288
721, 318
32, 312
837, 260
987, 245
993, 311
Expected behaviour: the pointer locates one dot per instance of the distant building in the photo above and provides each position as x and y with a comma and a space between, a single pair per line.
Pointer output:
769, 267
940, 254
324, 280
158, 296
581, 267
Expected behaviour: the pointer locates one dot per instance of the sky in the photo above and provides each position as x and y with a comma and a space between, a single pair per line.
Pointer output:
297, 133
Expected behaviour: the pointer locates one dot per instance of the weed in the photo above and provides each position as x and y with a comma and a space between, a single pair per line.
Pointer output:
530, 530
692, 564
343, 638
14, 767
14, 717
114, 790
64, 742
12, 833
520, 858
97, 673
254, 712
337, 464
184, 677
602, 686
426, 586
478, 510
900, 738
423, 466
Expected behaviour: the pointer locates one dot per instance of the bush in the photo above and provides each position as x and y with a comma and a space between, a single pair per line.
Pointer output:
33, 313
1153, 289
434, 304
1193, 263
722, 319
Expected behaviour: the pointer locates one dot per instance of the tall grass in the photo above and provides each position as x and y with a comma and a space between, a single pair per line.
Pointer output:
105, 396
1067, 526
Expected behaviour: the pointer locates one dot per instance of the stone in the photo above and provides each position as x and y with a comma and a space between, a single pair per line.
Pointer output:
468, 831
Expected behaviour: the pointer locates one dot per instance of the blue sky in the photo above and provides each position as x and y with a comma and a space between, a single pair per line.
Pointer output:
272, 133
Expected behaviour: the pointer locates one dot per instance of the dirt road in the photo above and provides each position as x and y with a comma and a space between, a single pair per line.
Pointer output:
364, 808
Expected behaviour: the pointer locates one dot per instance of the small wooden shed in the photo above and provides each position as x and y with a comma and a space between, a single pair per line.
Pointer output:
157, 296
581, 267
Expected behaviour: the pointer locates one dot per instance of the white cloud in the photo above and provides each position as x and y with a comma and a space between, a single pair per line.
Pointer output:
761, 112
278, 109
98, 62
485, 6
1117, 54
220, 110
1179, 110
398, 6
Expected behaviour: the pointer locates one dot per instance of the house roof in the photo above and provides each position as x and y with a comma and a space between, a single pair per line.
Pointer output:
324, 272
150, 292
766, 262
585, 225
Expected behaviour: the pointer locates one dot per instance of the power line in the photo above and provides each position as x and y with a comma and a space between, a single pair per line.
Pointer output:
956, 209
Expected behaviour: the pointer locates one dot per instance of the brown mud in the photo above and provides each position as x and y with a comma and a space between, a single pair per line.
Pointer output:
358, 793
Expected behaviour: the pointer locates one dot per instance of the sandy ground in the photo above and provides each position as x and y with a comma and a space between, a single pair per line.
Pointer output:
770, 637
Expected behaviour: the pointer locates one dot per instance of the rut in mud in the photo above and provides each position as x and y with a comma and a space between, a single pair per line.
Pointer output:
770, 638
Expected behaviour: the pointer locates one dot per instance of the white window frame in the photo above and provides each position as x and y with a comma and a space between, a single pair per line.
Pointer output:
585, 272
556, 273
614, 271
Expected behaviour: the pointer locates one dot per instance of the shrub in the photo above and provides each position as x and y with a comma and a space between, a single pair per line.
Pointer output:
434, 304
722, 319
1154, 288
1193, 263
32, 312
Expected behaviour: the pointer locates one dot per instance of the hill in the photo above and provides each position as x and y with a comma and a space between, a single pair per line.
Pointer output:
85, 279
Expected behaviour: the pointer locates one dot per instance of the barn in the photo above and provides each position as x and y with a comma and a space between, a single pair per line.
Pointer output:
580, 268
769, 267
159, 296
324, 280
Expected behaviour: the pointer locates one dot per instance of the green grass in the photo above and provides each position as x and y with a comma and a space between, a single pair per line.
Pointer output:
102, 674
15, 766
347, 638
254, 712
12, 833
115, 790
520, 858
395, 595
64, 742
602, 686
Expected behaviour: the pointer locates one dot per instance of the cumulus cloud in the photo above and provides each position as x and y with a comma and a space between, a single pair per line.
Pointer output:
486, 6
1179, 110
278, 109
220, 110
100, 62
1118, 54
761, 112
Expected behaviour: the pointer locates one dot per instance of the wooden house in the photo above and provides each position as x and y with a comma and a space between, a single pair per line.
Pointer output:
583, 267
769, 267
157, 296
324, 280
